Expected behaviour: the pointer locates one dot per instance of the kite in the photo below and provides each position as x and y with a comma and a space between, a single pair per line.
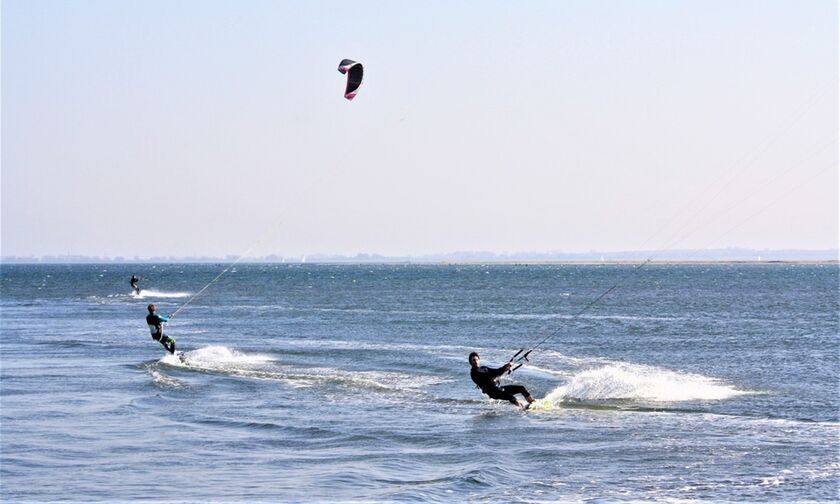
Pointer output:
354, 73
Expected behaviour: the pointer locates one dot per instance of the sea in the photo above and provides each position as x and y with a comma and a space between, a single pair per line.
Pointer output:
348, 383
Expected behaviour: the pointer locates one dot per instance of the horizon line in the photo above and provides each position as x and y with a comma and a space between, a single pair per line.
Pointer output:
730, 254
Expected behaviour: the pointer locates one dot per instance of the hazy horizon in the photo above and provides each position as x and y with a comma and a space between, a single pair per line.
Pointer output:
161, 129
714, 255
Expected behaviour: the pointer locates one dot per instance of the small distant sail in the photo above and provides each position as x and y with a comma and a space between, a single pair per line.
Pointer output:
354, 73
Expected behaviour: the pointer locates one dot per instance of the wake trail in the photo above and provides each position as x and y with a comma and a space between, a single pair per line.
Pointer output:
223, 360
151, 293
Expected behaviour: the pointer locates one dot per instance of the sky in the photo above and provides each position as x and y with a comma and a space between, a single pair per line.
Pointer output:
204, 127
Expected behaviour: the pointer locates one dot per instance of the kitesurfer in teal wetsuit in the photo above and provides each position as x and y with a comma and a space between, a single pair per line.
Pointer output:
155, 322
486, 378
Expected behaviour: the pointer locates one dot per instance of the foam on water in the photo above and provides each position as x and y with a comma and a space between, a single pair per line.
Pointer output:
163, 380
384, 380
634, 381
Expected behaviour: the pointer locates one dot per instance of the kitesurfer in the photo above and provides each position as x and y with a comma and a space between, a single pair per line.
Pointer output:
134, 280
486, 378
155, 322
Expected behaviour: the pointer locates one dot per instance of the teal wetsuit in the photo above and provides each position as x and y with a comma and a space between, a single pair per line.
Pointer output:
155, 322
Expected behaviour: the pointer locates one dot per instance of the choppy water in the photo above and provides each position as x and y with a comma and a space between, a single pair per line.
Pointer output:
307, 382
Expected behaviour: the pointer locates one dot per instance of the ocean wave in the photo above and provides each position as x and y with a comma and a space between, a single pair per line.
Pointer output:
163, 380
462, 316
797, 476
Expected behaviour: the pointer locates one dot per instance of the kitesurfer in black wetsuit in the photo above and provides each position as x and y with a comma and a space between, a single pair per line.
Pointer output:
486, 379
134, 281
155, 322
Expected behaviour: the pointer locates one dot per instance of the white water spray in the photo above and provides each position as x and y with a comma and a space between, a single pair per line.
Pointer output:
634, 381
151, 293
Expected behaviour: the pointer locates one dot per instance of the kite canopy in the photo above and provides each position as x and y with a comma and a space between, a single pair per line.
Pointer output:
354, 73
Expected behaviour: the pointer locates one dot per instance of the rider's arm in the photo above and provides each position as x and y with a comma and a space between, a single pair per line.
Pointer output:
496, 372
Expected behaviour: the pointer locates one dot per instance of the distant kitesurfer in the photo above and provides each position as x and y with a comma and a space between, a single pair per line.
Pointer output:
155, 322
486, 379
134, 286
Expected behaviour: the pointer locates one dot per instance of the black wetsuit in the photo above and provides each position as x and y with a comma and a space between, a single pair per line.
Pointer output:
134, 281
155, 322
485, 377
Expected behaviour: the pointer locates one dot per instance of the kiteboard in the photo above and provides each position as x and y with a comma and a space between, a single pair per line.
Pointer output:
544, 404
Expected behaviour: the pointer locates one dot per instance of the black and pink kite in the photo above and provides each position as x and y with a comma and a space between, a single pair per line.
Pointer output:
354, 73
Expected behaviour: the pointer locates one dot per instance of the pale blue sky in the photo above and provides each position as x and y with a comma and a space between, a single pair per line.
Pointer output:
193, 127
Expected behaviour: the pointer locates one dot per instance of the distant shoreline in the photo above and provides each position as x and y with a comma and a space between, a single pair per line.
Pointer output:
548, 262
731, 255
662, 262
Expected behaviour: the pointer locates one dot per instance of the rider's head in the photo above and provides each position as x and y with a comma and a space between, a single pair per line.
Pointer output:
474, 360
151, 308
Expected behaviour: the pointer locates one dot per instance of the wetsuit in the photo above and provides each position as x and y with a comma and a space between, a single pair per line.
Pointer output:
485, 377
155, 322
134, 281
